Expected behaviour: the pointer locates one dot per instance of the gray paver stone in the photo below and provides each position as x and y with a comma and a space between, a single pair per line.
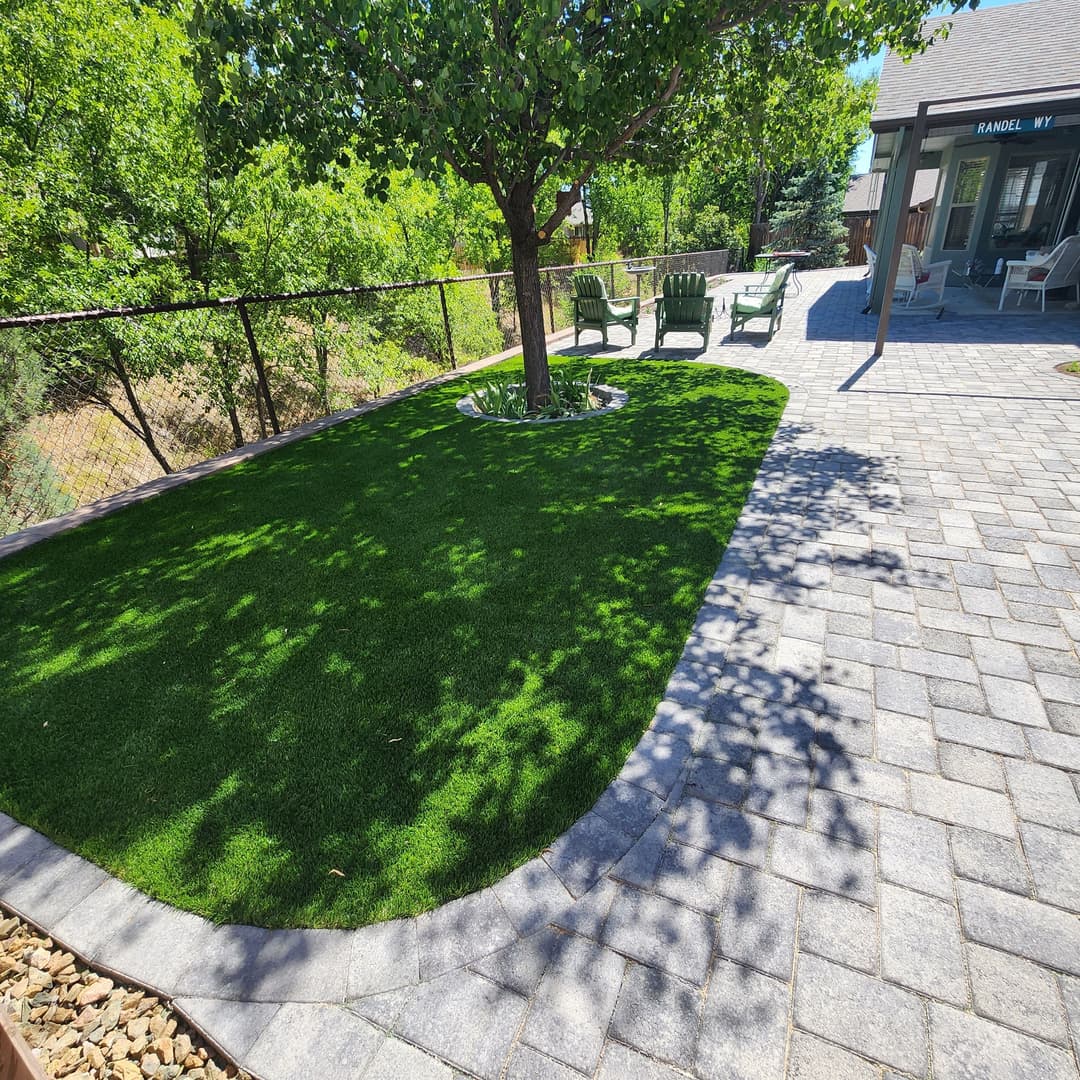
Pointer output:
914, 851
693, 877
520, 966
982, 732
813, 859
1016, 992
462, 931
843, 817
156, 945
1054, 858
622, 1063
20, 846
839, 930
572, 1006
971, 766
901, 691
907, 741
1043, 795
47, 887
532, 895
627, 806
383, 1009
660, 933
962, 804
744, 1025
384, 956
862, 1013
718, 781
1010, 699
91, 922
967, 1047
920, 944
465, 1020
721, 830
658, 1015
810, 1058
779, 788
586, 851
682, 721
758, 924
322, 1040
991, 860
1054, 748
395, 1060
860, 777
235, 1025
529, 1064
655, 763
1018, 925
639, 865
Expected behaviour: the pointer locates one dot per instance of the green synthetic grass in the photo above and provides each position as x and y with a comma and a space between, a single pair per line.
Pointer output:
380, 667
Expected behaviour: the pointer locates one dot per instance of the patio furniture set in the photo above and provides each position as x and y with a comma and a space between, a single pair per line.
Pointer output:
920, 284
683, 306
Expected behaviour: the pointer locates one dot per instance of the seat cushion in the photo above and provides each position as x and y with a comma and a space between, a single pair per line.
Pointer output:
752, 305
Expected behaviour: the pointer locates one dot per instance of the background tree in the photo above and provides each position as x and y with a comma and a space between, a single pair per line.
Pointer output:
810, 210
509, 95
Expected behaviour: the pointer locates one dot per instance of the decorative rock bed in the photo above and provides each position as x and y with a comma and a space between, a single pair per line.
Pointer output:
612, 397
83, 1026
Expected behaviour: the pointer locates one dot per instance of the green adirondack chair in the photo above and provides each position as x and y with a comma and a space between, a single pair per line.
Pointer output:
764, 301
684, 307
593, 310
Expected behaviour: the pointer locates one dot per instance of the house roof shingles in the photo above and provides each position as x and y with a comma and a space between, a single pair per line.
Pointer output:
1015, 47
864, 191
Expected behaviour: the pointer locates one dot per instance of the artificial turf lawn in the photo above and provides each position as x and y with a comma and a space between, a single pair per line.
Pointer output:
411, 649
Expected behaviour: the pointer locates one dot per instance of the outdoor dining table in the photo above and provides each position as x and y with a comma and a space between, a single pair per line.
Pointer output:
772, 258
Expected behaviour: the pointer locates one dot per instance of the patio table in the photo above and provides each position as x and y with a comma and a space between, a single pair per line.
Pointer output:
794, 257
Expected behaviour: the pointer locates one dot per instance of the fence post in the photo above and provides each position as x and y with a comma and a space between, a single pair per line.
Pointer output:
256, 359
446, 326
612, 279
550, 300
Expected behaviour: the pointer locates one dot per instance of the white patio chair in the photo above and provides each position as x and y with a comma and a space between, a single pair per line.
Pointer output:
919, 281
871, 267
1059, 270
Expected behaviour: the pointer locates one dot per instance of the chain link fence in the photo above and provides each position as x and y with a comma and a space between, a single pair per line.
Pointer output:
95, 402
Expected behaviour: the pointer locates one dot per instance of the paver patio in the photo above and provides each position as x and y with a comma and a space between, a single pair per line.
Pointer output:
849, 845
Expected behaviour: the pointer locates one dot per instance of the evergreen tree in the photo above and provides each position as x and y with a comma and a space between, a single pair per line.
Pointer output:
810, 210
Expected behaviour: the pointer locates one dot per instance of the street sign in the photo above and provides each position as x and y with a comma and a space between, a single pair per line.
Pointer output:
1010, 127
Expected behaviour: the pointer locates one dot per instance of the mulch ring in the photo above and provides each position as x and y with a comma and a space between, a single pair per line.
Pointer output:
84, 1026
1070, 367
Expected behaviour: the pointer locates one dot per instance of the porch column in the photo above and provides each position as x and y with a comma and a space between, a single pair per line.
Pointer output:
889, 214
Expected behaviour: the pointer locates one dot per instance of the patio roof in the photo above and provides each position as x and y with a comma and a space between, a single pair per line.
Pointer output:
1003, 49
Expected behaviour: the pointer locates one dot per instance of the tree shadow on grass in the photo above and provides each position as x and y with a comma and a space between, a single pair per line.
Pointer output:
410, 650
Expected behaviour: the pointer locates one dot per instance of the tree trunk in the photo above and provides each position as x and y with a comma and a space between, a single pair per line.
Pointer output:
667, 193
120, 369
525, 248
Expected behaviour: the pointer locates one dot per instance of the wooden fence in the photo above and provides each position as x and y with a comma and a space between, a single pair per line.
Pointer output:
860, 231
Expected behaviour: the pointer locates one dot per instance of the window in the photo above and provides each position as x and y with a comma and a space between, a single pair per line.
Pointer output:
1030, 200
965, 198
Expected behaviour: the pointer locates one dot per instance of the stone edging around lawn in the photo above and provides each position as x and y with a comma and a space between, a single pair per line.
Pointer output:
208, 971
616, 399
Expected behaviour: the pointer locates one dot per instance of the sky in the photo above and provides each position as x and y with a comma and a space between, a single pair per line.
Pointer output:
872, 66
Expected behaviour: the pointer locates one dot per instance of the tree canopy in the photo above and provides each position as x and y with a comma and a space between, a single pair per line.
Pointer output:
508, 94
